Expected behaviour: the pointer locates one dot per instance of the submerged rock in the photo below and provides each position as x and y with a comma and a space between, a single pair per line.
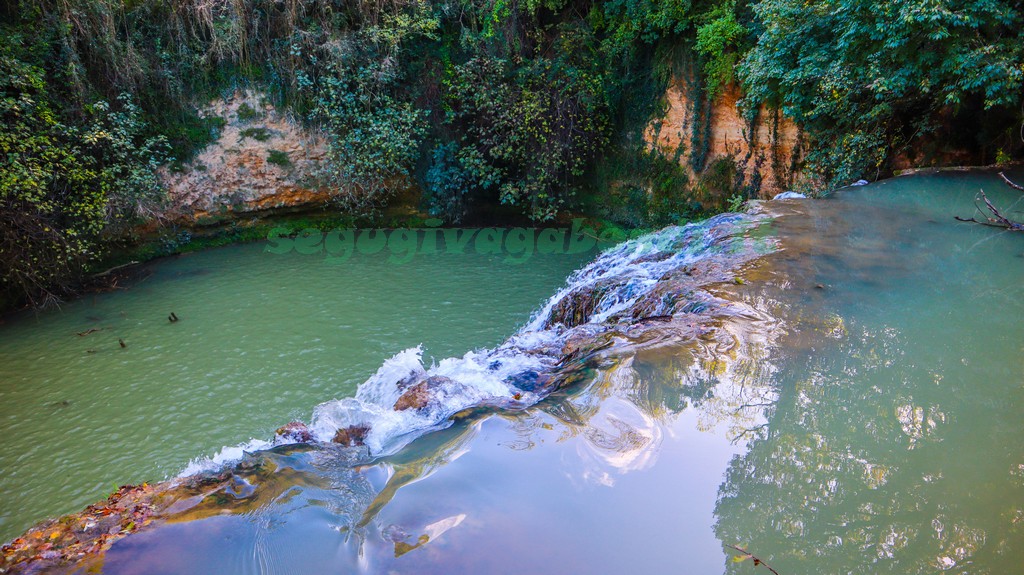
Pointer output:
529, 380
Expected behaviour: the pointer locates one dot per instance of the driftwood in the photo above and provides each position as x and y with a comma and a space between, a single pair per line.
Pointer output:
1010, 183
996, 219
114, 269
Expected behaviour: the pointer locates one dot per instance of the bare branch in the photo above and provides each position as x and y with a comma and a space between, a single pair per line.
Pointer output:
996, 219
1010, 183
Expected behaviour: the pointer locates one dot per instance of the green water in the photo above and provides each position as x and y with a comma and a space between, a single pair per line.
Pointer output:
868, 420
262, 339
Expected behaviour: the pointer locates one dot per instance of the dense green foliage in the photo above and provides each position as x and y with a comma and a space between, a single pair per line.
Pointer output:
61, 185
538, 105
867, 77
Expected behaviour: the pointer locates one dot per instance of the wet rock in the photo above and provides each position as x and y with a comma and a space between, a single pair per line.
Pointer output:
295, 431
418, 396
655, 319
352, 436
240, 488
789, 196
581, 342
529, 380
577, 307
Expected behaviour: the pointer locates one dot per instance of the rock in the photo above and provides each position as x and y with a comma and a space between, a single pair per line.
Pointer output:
729, 134
529, 380
352, 436
576, 307
295, 431
418, 396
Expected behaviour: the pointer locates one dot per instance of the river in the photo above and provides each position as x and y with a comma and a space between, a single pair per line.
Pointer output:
853, 405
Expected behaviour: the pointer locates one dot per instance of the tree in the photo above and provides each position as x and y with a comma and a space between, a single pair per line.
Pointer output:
865, 78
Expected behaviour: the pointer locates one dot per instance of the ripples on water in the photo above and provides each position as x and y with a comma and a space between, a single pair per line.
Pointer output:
262, 339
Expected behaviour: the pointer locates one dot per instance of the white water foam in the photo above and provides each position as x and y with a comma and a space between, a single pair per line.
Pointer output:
493, 377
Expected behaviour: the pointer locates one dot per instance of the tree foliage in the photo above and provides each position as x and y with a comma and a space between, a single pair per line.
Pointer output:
62, 186
864, 78
478, 102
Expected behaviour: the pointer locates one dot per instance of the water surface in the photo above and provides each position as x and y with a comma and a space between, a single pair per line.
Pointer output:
262, 339
863, 417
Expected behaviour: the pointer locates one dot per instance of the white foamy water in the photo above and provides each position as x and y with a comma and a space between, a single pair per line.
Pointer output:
504, 376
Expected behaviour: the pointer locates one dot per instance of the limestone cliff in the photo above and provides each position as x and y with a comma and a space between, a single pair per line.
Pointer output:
262, 162
766, 152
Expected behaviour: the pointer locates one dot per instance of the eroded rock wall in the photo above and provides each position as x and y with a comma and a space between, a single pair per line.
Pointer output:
767, 151
263, 161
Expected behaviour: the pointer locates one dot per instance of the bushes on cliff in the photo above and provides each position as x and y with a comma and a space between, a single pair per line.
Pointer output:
63, 185
374, 131
524, 135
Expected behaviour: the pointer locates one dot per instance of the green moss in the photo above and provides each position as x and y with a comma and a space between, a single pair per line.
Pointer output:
279, 158
259, 134
246, 113
191, 133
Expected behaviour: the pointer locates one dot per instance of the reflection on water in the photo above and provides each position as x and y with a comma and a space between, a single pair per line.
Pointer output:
876, 464
895, 444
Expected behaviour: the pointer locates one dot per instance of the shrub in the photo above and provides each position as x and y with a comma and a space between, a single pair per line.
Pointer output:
279, 158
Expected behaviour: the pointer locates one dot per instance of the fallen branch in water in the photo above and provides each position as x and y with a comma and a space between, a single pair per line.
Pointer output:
997, 219
1010, 183
748, 555
114, 269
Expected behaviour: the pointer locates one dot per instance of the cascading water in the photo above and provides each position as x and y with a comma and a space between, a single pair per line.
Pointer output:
620, 288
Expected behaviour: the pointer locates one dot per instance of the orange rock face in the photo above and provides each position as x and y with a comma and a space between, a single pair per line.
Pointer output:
770, 147
262, 161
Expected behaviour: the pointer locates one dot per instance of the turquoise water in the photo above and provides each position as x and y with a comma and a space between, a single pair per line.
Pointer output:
866, 419
262, 339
